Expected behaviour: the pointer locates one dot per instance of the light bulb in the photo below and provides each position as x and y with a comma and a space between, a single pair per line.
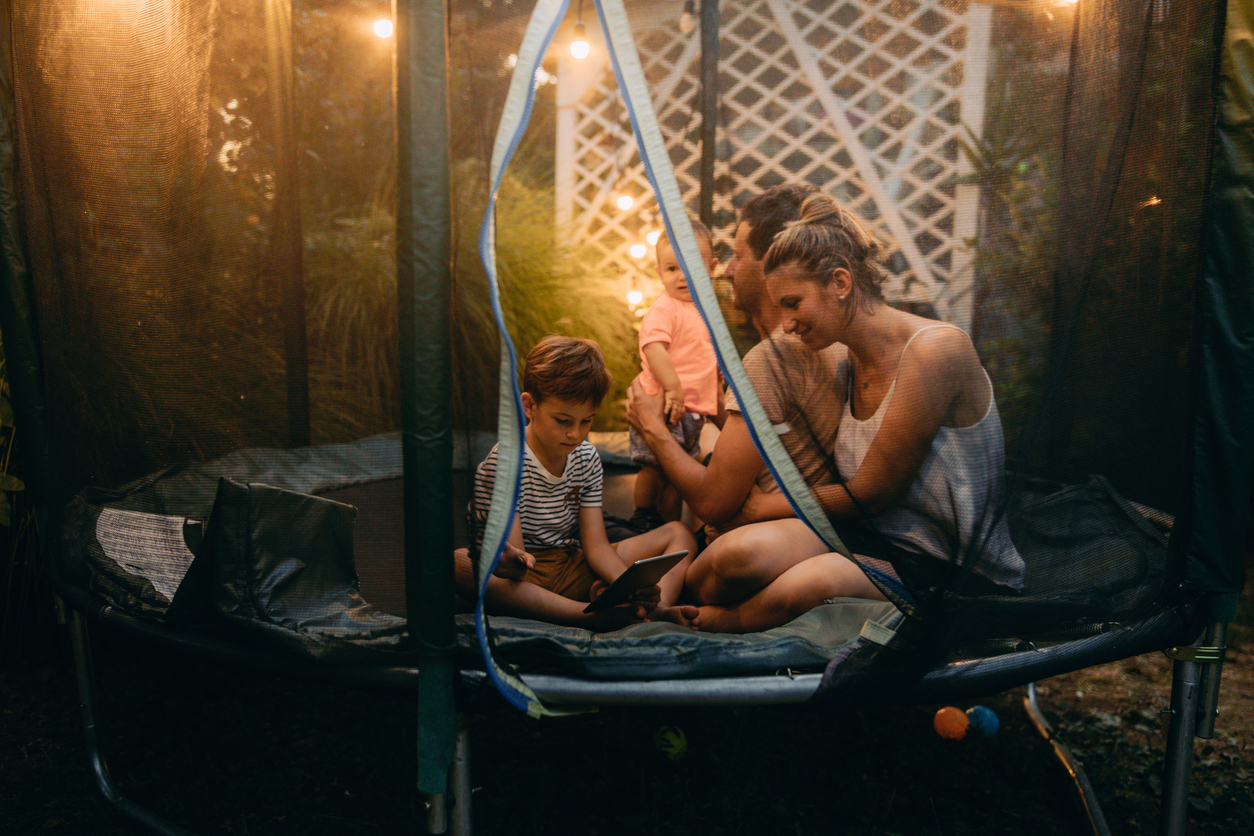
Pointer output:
652, 238
383, 28
634, 297
579, 46
637, 250
688, 20
625, 202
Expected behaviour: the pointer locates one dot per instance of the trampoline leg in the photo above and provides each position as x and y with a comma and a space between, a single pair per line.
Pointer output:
1194, 697
1088, 798
459, 780
87, 702
453, 818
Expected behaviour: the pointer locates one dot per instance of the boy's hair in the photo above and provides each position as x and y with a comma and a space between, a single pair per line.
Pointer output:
771, 211
567, 368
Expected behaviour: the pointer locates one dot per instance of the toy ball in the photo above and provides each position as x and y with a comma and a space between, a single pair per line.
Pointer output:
671, 741
983, 719
951, 723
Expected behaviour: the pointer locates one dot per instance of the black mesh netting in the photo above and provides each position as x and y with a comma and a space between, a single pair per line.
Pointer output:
208, 195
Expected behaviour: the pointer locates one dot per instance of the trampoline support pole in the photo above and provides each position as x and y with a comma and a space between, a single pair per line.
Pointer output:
450, 812
1088, 798
1194, 704
459, 779
100, 770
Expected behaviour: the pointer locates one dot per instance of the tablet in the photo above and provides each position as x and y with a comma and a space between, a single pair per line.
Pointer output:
644, 572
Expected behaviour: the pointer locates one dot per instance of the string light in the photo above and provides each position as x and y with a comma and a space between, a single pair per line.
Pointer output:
652, 238
688, 20
579, 46
637, 250
634, 297
383, 27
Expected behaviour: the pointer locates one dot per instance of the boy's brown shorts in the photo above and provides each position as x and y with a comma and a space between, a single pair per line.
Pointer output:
564, 571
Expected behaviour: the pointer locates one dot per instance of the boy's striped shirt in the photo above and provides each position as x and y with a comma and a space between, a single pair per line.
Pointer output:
548, 505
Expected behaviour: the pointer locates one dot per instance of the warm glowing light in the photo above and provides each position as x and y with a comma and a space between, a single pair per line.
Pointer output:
579, 46
1153, 201
688, 20
652, 237
637, 250
634, 297
625, 202
383, 28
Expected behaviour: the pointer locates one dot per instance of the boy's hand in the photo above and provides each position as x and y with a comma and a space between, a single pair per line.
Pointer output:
647, 596
514, 563
673, 405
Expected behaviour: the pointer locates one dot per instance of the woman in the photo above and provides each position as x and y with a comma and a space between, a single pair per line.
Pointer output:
919, 445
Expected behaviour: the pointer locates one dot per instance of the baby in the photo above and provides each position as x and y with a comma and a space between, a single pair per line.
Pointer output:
677, 361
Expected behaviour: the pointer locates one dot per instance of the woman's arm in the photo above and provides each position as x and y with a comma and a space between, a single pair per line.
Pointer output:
714, 492
940, 382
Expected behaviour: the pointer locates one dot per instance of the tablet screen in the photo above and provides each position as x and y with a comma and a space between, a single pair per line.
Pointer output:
642, 573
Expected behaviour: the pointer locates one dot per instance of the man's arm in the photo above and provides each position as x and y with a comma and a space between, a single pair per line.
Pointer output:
714, 492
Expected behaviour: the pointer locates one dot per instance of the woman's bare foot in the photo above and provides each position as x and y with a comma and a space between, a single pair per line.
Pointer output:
684, 615
714, 618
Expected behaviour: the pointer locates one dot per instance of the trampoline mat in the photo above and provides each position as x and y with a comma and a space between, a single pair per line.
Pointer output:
302, 552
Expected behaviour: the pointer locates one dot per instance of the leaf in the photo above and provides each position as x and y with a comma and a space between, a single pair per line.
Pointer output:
9, 482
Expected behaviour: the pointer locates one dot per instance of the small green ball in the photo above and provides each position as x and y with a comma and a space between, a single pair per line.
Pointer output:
671, 741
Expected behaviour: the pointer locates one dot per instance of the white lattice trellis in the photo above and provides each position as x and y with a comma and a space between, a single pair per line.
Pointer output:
867, 100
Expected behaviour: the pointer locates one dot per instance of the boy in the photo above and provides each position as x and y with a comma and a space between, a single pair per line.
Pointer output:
559, 558
677, 360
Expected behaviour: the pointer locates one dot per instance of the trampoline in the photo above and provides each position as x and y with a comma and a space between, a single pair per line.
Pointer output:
261, 331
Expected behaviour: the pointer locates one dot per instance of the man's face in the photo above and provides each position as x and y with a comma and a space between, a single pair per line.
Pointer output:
744, 271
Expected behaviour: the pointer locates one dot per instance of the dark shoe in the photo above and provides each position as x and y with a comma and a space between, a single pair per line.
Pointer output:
645, 519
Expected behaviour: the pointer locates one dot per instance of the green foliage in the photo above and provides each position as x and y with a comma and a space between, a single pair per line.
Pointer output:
546, 288
1014, 262
350, 268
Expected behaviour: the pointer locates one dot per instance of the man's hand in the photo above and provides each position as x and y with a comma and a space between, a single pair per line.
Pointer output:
644, 412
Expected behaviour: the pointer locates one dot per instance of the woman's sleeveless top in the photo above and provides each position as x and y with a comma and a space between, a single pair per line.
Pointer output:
953, 509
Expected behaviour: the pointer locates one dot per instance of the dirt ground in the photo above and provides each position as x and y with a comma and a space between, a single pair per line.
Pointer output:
217, 751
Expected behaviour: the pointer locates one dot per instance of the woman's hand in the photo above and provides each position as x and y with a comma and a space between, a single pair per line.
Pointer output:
759, 507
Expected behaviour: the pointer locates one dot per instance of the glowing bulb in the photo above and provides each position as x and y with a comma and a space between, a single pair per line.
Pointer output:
625, 202
652, 238
688, 20
634, 297
637, 250
579, 46
383, 28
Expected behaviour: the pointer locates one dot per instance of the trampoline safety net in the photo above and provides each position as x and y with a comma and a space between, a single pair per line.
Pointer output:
966, 355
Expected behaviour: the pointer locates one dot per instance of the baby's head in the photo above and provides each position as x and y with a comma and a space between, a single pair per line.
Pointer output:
668, 269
